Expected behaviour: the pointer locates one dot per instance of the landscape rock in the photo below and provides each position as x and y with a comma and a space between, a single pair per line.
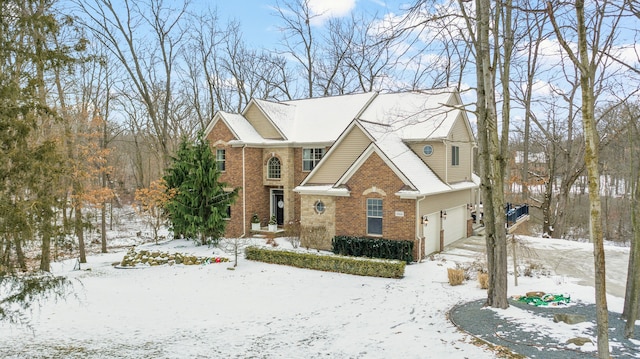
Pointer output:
579, 341
156, 258
569, 318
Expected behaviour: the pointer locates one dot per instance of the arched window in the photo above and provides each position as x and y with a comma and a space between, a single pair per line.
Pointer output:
273, 168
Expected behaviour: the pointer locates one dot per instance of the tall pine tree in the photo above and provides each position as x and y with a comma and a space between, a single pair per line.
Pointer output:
30, 161
200, 208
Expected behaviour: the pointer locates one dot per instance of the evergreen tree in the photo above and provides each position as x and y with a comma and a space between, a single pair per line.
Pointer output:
30, 161
200, 207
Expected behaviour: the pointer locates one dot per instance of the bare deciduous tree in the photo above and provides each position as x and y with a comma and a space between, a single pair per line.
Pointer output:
299, 38
595, 30
145, 38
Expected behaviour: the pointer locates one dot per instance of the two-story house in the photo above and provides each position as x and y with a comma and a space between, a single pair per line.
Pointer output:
394, 166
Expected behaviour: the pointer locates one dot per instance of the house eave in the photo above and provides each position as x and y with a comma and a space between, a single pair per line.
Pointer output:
418, 194
326, 190
279, 143
428, 139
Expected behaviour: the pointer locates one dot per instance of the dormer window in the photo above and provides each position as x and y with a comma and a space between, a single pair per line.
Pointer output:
273, 168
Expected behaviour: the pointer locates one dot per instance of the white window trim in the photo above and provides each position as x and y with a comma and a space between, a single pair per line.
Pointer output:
313, 159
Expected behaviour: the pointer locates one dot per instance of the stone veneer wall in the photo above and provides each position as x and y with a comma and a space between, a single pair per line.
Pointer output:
310, 218
286, 180
299, 176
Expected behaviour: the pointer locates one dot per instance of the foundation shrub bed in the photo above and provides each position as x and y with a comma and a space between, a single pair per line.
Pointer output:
328, 263
373, 248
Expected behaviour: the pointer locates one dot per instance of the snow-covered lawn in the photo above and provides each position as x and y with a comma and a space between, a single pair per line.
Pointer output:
262, 310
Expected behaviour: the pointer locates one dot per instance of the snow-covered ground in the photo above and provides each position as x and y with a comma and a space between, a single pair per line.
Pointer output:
262, 310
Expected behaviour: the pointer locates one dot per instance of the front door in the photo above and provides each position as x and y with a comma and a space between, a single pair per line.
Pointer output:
277, 205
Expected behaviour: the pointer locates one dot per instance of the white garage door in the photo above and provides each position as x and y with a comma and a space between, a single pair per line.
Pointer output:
455, 226
432, 234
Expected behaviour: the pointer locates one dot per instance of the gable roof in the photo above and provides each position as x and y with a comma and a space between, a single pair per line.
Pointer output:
279, 115
415, 116
308, 121
390, 121
412, 171
418, 176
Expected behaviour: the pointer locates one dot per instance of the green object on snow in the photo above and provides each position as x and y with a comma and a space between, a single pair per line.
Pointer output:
545, 300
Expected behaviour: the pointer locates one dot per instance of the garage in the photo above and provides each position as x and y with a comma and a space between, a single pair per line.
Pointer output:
455, 225
431, 234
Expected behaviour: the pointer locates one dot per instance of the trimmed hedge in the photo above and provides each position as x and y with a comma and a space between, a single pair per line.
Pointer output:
357, 266
373, 248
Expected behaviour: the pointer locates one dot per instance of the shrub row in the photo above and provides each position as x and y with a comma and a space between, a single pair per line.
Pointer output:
357, 266
373, 248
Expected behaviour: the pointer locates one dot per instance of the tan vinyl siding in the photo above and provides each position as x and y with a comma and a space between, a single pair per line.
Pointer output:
264, 127
341, 158
459, 131
445, 201
460, 137
438, 159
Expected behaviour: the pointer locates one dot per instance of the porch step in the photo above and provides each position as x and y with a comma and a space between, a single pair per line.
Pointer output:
478, 230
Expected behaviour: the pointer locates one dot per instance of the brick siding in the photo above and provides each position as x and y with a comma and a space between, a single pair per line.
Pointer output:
351, 212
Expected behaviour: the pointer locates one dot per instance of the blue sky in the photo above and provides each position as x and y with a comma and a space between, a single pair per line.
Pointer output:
260, 25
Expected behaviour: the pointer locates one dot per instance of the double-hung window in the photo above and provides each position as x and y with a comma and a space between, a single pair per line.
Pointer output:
311, 157
374, 216
455, 155
221, 158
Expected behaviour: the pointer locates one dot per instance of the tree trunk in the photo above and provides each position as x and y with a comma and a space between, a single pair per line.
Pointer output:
591, 161
5, 260
632, 293
560, 215
80, 234
491, 166
20, 254
45, 258
548, 219
103, 227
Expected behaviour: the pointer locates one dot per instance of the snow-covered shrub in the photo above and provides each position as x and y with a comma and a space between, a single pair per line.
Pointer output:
330, 263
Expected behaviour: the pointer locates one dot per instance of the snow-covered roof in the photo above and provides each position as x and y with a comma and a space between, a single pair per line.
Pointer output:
391, 120
241, 127
323, 189
415, 116
315, 120
281, 114
422, 179
324, 119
